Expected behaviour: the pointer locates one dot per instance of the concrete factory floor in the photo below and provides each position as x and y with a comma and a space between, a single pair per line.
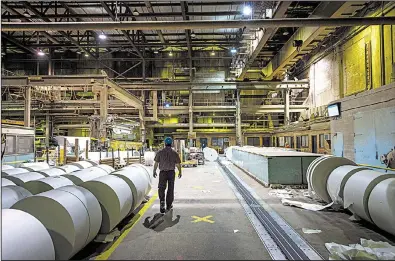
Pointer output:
208, 222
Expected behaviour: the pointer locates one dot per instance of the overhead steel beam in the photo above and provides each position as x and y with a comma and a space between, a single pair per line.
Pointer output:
151, 10
17, 43
264, 37
126, 34
184, 10
124, 95
201, 24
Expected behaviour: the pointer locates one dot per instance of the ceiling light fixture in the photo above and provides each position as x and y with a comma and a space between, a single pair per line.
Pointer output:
102, 36
86, 55
40, 53
212, 53
233, 50
79, 52
156, 51
26, 14
171, 54
135, 12
193, 35
247, 10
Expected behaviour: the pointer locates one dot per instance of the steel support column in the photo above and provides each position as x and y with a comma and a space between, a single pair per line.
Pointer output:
239, 135
286, 93
103, 110
142, 122
28, 105
47, 130
190, 117
155, 104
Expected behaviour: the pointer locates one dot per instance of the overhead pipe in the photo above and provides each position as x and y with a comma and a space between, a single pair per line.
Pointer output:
204, 24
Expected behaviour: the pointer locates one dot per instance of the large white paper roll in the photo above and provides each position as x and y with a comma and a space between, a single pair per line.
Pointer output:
83, 164
137, 181
381, 205
69, 168
115, 198
210, 154
46, 184
12, 194
4, 167
146, 171
78, 177
67, 215
6, 182
21, 179
358, 189
40, 165
24, 237
338, 179
51, 172
107, 168
149, 157
8, 172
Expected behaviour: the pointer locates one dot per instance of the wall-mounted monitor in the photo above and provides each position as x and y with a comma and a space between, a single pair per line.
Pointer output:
334, 110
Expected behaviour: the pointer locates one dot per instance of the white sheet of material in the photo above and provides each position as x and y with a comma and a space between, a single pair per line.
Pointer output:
358, 189
4, 167
46, 184
308, 206
69, 168
107, 168
149, 157
6, 182
320, 173
52, 172
115, 198
24, 237
338, 179
67, 217
137, 182
9, 172
210, 154
21, 179
83, 164
12, 194
40, 165
84, 175
381, 205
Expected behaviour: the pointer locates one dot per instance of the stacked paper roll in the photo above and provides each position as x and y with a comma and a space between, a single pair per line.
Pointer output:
38, 165
210, 154
137, 181
8, 172
84, 164
4, 167
71, 215
24, 237
12, 194
115, 198
6, 182
51, 172
106, 168
69, 168
46, 184
78, 177
21, 179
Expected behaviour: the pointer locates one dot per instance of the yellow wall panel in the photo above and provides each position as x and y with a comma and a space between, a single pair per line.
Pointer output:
354, 66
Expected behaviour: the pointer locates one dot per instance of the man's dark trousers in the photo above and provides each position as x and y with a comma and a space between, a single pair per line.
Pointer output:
166, 177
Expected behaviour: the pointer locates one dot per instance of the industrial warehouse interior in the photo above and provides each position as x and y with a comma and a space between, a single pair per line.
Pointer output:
273, 121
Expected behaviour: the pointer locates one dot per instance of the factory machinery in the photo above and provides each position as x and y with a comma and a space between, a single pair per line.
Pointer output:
52, 213
368, 194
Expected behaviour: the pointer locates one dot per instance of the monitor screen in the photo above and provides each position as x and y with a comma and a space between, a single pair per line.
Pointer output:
334, 110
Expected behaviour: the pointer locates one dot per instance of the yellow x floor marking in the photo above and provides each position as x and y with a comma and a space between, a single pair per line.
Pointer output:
204, 219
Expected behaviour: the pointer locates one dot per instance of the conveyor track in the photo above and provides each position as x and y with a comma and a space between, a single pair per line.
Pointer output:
281, 238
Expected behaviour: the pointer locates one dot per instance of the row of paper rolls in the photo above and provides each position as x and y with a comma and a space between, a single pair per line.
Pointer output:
51, 214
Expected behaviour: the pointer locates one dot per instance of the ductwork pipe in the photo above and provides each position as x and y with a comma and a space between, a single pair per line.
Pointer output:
24, 237
76, 211
205, 24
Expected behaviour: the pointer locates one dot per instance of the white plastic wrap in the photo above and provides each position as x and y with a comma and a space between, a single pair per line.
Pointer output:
115, 198
149, 157
12, 194
24, 237
78, 177
71, 214
46, 184
6, 182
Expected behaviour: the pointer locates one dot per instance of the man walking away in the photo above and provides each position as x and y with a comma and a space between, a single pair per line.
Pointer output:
167, 159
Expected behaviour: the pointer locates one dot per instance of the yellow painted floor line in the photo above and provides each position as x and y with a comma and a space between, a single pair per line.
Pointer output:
106, 254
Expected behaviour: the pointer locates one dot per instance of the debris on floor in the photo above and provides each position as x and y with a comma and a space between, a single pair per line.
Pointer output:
367, 250
107, 238
281, 193
311, 231
308, 206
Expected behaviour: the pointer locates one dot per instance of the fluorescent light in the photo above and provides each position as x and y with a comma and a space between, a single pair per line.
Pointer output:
26, 14
247, 10
78, 52
233, 50
171, 54
135, 12
86, 55
40, 53
102, 36
212, 53
156, 51
193, 35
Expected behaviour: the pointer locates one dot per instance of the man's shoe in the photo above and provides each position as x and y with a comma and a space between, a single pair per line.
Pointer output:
162, 207
169, 207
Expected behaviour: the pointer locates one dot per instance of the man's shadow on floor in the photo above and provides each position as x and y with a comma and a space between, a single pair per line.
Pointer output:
161, 221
